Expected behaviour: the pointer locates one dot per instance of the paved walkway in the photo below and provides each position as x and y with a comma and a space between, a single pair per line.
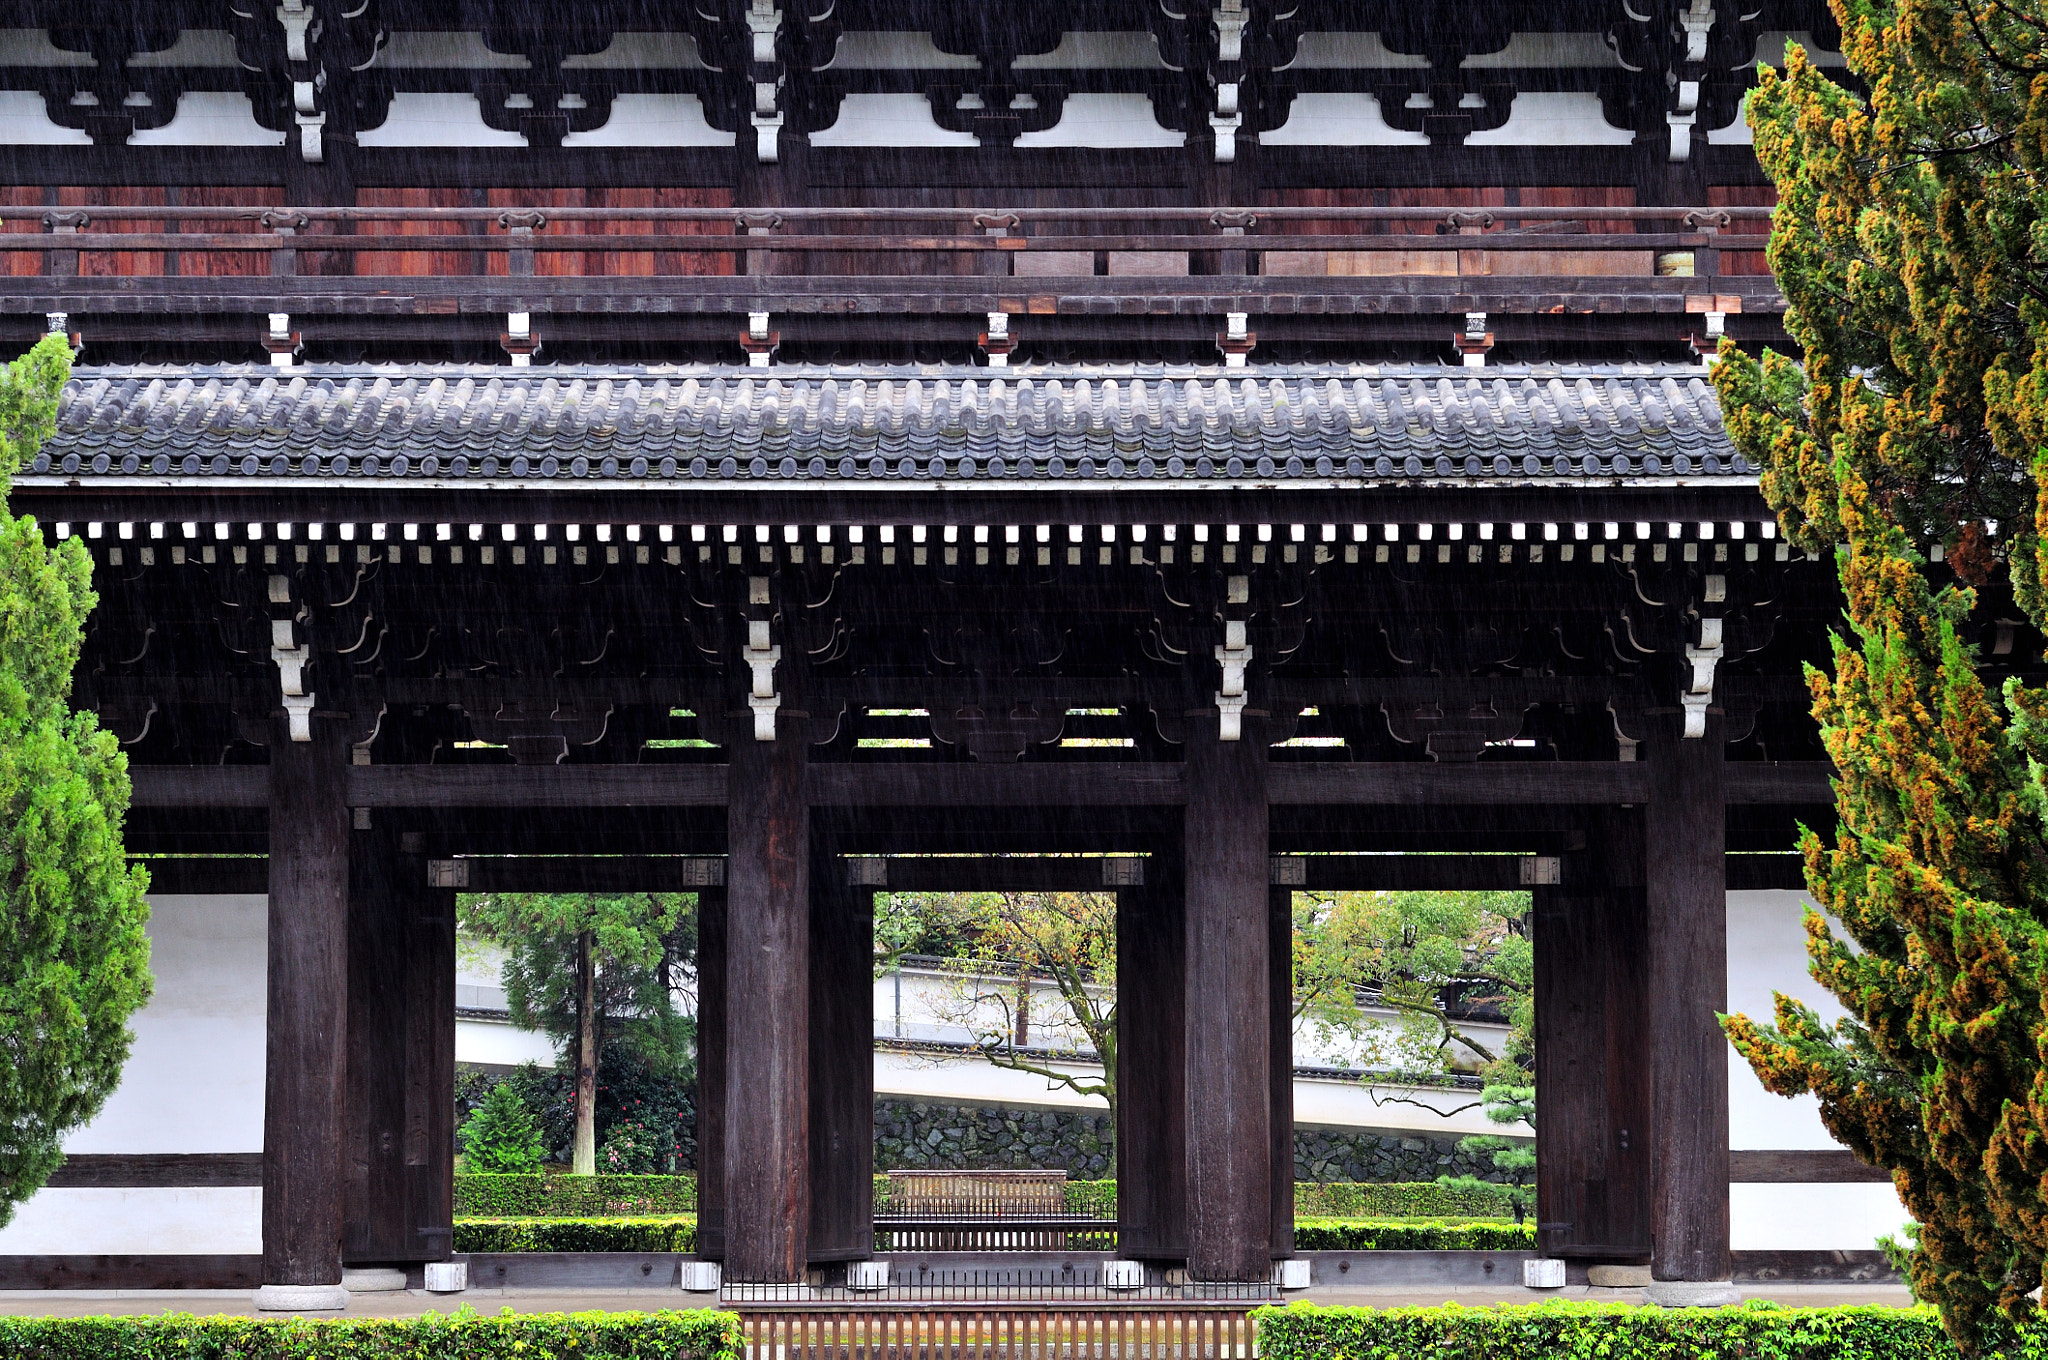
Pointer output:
83, 1303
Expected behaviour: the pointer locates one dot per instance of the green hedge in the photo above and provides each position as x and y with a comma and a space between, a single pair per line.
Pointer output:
671, 1232
1337, 1234
574, 1196
696, 1335
678, 1232
601, 1196
1408, 1199
1605, 1331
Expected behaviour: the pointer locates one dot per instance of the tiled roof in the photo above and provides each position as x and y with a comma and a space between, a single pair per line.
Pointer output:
744, 426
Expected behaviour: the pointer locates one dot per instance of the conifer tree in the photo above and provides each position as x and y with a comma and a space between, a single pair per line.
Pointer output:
1910, 241
74, 958
501, 1135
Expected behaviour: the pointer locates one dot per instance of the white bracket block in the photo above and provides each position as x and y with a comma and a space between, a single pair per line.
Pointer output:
1700, 691
702, 1277
767, 136
298, 713
1233, 656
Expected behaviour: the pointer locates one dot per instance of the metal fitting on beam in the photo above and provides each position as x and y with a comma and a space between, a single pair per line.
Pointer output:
759, 342
1476, 340
996, 342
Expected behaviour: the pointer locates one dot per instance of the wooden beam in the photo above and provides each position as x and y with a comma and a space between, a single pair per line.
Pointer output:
1802, 1166
154, 1170
306, 1049
1542, 783
876, 784
54, 498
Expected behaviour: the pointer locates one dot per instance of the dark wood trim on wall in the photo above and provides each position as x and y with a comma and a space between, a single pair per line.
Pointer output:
130, 1272
1816, 1166
157, 1170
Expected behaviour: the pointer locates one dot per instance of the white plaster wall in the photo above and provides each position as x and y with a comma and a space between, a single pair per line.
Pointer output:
437, 120
888, 120
25, 121
1539, 118
1767, 954
1105, 121
208, 1221
500, 1044
193, 1083
1338, 119
653, 120
210, 118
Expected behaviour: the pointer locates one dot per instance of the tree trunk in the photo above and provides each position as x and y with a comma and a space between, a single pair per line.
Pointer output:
583, 1161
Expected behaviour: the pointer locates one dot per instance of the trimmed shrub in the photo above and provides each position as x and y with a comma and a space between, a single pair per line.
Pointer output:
1608, 1331
1337, 1234
574, 1196
1424, 1199
695, 1335
501, 1136
668, 1232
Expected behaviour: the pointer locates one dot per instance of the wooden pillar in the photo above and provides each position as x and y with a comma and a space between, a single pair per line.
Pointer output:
1687, 901
400, 1196
305, 1050
1592, 1056
1228, 980
711, 1048
430, 1060
375, 1226
1151, 1162
1280, 1035
768, 1005
842, 1061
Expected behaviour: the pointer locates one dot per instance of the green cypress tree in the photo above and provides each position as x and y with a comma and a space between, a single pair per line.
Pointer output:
75, 963
501, 1136
1910, 241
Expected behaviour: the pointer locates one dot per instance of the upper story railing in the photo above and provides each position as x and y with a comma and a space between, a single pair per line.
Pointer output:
387, 272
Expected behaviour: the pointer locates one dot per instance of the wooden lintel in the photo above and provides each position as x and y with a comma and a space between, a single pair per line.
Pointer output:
907, 784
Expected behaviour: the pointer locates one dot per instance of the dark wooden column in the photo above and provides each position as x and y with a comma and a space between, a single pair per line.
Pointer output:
400, 1198
429, 1059
768, 1005
842, 1061
1151, 1161
1280, 1035
1229, 1053
1592, 1056
1687, 899
711, 1049
305, 1051
375, 1229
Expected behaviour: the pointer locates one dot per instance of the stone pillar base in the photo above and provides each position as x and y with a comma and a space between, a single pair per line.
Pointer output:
1692, 1294
1619, 1277
372, 1279
301, 1298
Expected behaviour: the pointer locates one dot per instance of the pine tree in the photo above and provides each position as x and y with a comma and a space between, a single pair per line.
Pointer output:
1910, 241
501, 1136
75, 960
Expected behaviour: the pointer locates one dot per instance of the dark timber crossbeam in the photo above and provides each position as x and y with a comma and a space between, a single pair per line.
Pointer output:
909, 784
